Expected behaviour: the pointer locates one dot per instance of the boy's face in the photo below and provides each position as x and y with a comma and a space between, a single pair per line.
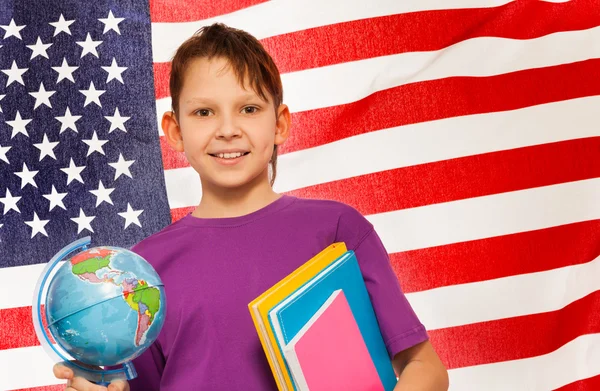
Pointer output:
226, 130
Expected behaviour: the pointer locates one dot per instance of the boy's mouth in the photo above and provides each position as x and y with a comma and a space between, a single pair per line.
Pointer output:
229, 155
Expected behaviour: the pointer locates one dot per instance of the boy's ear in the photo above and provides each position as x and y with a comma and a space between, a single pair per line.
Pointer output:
172, 131
283, 125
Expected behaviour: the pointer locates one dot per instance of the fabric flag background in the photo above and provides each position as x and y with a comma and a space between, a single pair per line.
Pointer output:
467, 131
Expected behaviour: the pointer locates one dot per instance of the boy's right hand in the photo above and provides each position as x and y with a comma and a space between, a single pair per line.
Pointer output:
76, 383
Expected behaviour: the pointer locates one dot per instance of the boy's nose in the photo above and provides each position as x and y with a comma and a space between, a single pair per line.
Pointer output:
228, 130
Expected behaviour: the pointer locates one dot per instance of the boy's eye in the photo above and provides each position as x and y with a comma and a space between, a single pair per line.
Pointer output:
202, 112
250, 109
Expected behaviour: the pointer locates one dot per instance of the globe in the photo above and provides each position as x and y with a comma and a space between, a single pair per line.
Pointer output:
105, 305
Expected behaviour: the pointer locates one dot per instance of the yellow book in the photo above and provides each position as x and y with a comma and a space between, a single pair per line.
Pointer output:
260, 307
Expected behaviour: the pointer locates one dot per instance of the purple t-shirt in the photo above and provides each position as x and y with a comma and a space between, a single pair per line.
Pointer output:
212, 269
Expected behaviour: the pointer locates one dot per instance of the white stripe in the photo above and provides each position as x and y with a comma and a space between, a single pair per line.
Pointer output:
579, 359
439, 224
478, 57
26, 367
412, 144
489, 216
279, 17
506, 297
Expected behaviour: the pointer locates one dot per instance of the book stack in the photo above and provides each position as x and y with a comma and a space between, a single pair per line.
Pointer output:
318, 328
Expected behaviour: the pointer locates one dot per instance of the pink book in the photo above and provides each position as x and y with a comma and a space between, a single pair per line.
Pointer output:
329, 352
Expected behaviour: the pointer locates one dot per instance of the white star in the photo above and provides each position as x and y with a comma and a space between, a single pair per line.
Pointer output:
94, 144
62, 25
18, 125
37, 225
114, 71
12, 30
10, 202
89, 46
1, 97
14, 74
39, 49
131, 216
83, 221
3, 151
42, 97
68, 121
73, 172
56, 199
117, 121
111, 23
92, 95
46, 148
102, 194
65, 71
122, 167
27, 176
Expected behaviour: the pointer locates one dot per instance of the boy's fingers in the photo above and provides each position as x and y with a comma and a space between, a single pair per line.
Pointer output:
118, 385
81, 384
62, 372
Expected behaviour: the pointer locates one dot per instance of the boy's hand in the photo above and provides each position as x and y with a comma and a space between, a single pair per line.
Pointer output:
76, 383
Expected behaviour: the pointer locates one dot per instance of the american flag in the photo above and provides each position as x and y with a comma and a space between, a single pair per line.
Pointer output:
467, 131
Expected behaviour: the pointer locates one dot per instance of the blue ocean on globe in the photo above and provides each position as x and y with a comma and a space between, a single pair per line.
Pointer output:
105, 306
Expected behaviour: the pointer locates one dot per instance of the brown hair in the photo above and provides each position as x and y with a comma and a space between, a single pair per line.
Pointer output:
246, 56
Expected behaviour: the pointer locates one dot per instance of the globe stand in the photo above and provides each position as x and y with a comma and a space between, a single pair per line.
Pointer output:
56, 352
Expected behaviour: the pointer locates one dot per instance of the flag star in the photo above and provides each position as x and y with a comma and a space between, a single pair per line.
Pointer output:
89, 46
1, 97
42, 97
27, 176
114, 71
111, 23
10, 202
73, 172
14, 74
83, 221
37, 225
62, 25
3, 151
12, 30
68, 121
94, 144
102, 194
65, 71
92, 95
131, 216
117, 121
46, 148
56, 199
39, 49
19, 125
122, 167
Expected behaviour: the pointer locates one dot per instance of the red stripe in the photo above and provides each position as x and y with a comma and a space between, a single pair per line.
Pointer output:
434, 100
502, 256
589, 384
16, 328
187, 11
416, 31
518, 337
466, 177
58, 387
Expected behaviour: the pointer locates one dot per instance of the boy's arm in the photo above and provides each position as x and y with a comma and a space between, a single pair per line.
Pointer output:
420, 369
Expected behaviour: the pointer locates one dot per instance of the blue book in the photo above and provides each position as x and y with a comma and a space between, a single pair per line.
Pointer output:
292, 313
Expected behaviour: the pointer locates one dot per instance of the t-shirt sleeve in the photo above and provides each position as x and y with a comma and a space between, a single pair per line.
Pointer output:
400, 326
149, 367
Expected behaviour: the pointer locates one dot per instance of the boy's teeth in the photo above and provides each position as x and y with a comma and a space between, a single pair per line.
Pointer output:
229, 155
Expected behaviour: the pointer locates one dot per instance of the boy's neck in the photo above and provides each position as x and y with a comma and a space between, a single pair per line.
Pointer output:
234, 202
